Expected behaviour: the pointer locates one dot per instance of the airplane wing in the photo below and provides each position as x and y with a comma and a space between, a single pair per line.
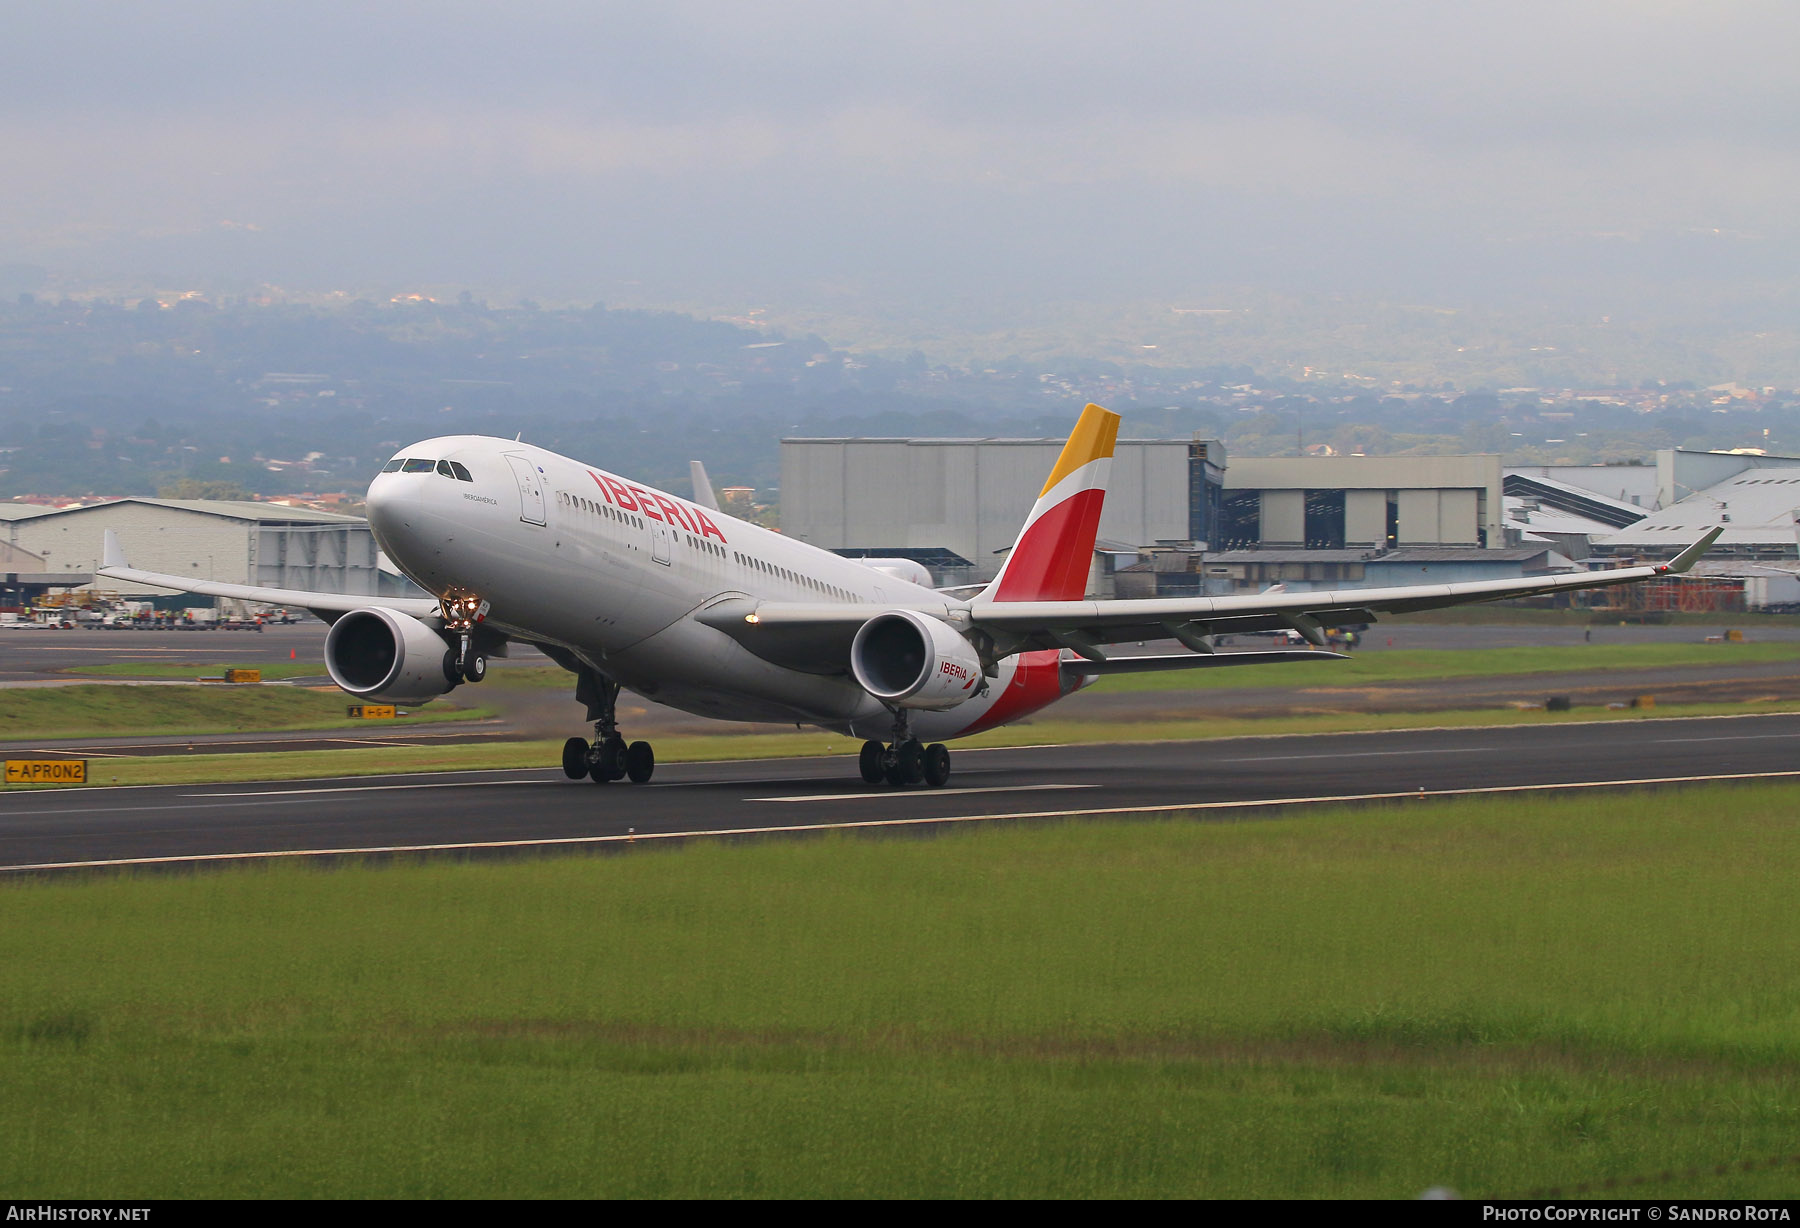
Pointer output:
113, 566
817, 636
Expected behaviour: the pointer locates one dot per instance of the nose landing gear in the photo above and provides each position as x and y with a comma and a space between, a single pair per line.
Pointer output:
461, 614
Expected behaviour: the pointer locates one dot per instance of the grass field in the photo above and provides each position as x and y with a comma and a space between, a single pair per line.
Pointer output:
532, 677
98, 710
1496, 614
272, 671
1374, 667
1503, 995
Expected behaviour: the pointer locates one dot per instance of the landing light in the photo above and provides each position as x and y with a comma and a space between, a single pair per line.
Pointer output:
461, 612
751, 618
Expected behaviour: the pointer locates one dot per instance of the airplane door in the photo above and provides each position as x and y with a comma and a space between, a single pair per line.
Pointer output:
659, 541
531, 488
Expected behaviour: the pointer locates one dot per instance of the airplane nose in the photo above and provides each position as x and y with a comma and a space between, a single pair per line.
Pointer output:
390, 507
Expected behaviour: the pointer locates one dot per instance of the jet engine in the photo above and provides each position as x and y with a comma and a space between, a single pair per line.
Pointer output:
914, 661
382, 654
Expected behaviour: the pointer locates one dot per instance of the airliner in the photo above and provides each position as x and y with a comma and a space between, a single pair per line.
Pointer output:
627, 587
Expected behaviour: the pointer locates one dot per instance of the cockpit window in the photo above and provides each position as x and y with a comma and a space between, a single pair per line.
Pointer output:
418, 466
462, 474
443, 467
393, 466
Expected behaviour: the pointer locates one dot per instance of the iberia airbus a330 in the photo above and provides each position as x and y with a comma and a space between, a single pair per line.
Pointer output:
624, 586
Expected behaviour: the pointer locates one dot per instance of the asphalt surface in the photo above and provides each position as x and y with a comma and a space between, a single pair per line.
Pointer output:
539, 810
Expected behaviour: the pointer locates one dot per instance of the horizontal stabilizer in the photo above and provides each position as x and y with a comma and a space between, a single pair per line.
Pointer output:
1144, 665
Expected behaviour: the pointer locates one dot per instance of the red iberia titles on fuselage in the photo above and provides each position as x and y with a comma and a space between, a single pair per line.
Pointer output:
630, 497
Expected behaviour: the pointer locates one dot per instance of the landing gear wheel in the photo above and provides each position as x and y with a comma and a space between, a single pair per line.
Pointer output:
474, 669
640, 761
908, 767
575, 758
937, 765
609, 763
870, 762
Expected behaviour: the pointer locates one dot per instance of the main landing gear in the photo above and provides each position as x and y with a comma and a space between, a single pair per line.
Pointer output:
607, 757
905, 761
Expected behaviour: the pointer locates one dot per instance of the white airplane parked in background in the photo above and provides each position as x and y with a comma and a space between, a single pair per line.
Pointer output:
624, 586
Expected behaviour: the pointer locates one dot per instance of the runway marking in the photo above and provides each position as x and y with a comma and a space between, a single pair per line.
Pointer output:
460, 784
72, 752
1361, 754
1735, 737
878, 796
854, 824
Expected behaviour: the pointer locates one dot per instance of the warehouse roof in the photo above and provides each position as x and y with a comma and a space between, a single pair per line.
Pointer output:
1757, 508
234, 509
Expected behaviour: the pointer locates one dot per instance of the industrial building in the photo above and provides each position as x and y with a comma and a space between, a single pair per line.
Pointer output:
957, 504
223, 540
1372, 502
966, 498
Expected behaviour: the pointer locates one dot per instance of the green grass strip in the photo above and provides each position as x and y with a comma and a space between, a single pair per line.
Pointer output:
1375, 666
272, 671
1499, 995
98, 710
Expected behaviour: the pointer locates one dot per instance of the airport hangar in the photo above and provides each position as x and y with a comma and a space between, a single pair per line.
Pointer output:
1180, 521
1175, 511
237, 542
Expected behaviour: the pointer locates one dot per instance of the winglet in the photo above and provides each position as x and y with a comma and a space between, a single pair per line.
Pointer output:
111, 554
1687, 558
703, 491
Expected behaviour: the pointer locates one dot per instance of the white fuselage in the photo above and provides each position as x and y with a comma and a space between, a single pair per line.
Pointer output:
614, 571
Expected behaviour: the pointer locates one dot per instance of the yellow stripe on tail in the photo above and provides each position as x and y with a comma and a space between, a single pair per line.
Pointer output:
1093, 437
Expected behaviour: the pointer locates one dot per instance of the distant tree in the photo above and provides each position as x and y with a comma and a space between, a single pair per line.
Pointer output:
195, 488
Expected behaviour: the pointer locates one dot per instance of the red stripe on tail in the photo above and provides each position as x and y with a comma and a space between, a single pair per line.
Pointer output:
1053, 557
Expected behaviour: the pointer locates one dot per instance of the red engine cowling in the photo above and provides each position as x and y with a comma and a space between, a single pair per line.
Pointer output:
382, 654
912, 660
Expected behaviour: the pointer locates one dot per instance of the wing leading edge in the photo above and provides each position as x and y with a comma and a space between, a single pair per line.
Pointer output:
816, 636
114, 566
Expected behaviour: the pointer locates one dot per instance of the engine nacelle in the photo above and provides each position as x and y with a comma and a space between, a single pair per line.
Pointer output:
378, 653
914, 661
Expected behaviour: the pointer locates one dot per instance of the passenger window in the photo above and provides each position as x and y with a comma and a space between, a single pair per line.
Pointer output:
393, 466
462, 474
418, 466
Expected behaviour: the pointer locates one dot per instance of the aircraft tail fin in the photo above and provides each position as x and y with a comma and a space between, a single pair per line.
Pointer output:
1054, 551
703, 491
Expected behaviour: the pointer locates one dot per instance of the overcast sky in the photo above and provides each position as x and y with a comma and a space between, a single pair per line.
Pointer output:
868, 151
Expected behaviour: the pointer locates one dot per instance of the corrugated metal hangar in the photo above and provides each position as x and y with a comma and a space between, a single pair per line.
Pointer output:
235, 542
969, 497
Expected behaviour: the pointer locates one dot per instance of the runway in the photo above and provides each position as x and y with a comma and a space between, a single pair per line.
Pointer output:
487, 812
